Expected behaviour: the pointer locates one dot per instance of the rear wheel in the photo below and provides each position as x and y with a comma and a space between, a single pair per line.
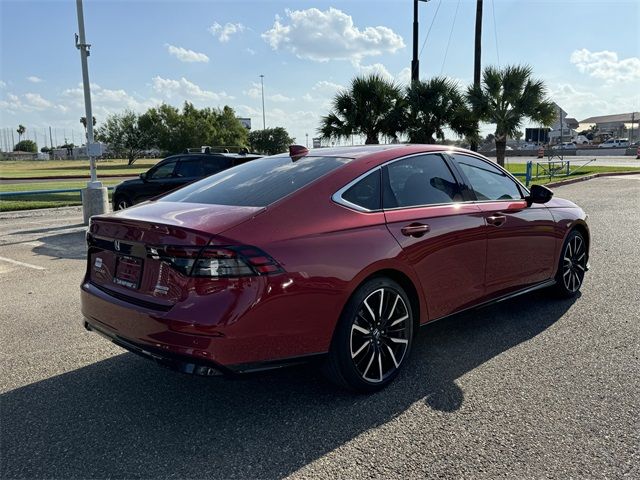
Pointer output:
373, 337
572, 265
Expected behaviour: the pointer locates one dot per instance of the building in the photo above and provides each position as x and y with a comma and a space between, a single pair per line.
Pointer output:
621, 125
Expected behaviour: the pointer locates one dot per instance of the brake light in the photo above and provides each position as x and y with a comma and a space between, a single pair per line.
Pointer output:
218, 261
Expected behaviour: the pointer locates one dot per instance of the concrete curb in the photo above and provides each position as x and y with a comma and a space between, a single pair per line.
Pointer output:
590, 177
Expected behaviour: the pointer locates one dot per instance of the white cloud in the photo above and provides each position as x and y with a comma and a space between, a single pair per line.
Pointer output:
183, 89
582, 102
36, 100
329, 35
256, 92
34, 79
224, 32
606, 65
250, 51
403, 77
29, 102
185, 55
325, 86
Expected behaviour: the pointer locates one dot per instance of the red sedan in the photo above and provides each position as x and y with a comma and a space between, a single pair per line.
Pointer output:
335, 253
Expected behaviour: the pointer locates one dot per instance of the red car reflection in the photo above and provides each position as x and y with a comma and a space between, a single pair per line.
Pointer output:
338, 253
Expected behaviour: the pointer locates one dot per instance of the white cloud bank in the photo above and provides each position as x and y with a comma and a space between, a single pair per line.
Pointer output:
185, 55
329, 35
34, 79
606, 65
183, 89
224, 32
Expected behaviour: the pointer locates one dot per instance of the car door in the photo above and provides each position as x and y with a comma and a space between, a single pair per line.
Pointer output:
521, 239
156, 179
443, 238
189, 169
215, 164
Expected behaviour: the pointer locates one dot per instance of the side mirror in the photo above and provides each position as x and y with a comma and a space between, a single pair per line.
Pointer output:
539, 194
143, 176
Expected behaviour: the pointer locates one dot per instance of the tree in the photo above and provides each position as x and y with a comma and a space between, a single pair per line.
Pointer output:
505, 98
371, 106
83, 121
173, 131
21, 129
432, 106
125, 136
26, 146
270, 140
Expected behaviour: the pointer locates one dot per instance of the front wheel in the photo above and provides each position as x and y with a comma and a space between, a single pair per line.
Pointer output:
373, 337
572, 266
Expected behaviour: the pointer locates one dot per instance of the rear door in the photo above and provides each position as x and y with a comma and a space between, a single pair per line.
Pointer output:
189, 169
520, 239
443, 238
159, 179
215, 164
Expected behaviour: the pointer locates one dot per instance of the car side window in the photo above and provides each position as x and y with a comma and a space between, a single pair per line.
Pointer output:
191, 168
486, 181
419, 180
366, 192
164, 171
215, 164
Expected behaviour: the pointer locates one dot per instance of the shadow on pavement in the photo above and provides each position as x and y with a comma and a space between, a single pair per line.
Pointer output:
70, 245
125, 417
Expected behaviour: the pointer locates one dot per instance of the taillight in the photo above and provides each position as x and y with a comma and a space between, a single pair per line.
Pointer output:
217, 261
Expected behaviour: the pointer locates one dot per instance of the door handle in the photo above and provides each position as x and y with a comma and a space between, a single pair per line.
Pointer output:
415, 230
496, 220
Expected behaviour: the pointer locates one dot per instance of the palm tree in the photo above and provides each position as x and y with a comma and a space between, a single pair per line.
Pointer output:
434, 105
508, 96
21, 129
371, 106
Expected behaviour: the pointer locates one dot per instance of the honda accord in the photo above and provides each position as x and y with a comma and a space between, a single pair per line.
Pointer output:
337, 255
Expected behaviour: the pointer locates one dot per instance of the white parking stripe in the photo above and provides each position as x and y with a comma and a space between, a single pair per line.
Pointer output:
22, 264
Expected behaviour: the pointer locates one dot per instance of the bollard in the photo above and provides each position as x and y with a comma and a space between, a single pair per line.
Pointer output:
541, 152
638, 154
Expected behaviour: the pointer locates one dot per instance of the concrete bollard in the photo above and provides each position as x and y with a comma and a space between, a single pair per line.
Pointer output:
95, 201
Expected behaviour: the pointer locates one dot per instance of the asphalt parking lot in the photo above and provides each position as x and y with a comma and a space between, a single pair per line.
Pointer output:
529, 388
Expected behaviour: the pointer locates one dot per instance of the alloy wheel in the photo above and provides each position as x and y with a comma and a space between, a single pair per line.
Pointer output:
379, 335
574, 264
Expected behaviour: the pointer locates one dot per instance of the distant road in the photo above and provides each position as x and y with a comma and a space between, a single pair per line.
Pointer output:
60, 179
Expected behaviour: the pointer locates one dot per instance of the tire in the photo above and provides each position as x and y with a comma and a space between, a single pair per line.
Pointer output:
572, 265
122, 202
371, 342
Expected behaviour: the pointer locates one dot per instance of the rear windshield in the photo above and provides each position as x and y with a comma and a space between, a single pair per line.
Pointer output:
257, 183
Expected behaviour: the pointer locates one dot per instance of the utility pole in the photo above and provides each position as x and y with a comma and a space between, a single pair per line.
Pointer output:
477, 64
95, 200
415, 63
264, 122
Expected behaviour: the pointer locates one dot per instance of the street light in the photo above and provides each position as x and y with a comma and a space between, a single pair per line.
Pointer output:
415, 63
264, 123
95, 200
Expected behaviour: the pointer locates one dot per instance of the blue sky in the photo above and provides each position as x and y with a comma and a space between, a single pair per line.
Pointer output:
212, 53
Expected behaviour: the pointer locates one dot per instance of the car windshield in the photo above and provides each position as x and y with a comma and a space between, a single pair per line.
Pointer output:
257, 183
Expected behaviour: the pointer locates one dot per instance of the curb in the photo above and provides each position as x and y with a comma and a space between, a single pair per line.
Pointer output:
68, 177
590, 177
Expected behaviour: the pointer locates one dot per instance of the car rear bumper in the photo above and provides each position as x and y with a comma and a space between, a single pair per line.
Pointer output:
159, 336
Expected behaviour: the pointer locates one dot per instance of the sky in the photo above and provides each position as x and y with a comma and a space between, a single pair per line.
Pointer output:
212, 53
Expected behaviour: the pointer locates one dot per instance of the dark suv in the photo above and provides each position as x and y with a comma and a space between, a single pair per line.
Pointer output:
173, 172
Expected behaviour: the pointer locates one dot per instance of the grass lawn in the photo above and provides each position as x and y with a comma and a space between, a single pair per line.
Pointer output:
588, 170
48, 200
63, 168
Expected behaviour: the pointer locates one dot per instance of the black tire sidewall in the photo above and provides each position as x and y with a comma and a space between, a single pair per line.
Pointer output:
560, 287
340, 347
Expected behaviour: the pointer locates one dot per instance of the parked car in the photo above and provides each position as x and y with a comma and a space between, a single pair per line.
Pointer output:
581, 140
564, 146
615, 143
336, 254
173, 172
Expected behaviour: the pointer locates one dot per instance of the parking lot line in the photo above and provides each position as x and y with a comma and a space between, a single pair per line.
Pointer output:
22, 264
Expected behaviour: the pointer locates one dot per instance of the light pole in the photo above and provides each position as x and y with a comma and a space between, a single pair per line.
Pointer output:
264, 122
415, 63
95, 200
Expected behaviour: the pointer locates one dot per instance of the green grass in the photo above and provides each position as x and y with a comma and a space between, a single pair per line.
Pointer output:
65, 168
48, 200
588, 170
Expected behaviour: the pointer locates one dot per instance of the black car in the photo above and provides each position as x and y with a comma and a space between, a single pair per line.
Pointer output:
173, 172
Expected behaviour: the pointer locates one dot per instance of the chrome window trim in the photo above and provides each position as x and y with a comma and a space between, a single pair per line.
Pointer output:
337, 196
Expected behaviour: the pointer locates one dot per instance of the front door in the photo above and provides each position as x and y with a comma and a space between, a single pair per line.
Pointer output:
443, 239
520, 240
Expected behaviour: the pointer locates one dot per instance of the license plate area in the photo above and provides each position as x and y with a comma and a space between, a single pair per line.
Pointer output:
128, 272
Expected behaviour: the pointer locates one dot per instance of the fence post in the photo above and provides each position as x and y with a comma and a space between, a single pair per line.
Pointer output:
568, 162
529, 171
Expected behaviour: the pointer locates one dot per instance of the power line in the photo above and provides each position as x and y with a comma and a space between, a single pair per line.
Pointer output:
431, 25
495, 29
455, 15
